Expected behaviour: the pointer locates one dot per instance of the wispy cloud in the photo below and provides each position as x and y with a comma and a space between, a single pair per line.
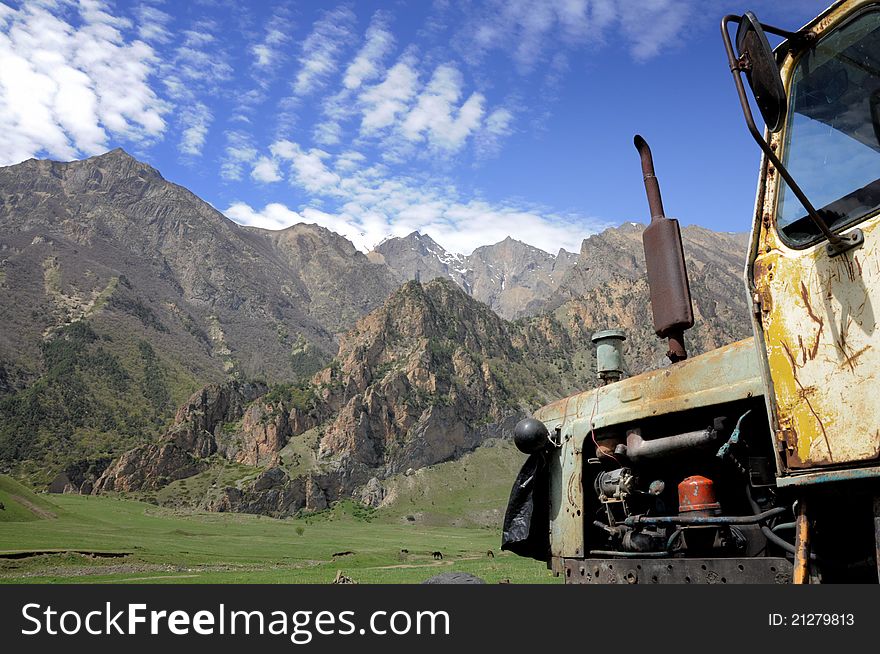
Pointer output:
367, 64
194, 75
532, 32
383, 103
153, 24
271, 51
322, 49
651, 28
196, 119
437, 117
67, 84
238, 153
371, 204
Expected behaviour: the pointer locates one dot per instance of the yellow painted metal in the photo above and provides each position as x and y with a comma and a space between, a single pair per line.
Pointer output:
818, 327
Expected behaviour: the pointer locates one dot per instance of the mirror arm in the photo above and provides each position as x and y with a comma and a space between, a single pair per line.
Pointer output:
836, 243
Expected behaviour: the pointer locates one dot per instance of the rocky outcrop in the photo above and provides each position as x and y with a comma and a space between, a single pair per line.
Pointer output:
191, 439
275, 493
198, 422
80, 476
148, 467
372, 493
264, 431
418, 380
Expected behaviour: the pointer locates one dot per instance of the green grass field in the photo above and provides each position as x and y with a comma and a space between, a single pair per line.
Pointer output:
86, 539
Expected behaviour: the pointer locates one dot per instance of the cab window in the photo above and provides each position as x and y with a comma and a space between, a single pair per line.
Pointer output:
832, 145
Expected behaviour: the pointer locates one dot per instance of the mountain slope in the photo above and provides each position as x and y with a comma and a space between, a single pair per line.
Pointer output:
608, 289
123, 293
513, 278
423, 379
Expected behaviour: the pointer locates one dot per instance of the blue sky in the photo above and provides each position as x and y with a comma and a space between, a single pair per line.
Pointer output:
469, 121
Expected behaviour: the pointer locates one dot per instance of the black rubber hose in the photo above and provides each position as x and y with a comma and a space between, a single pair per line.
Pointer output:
705, 520
768, 533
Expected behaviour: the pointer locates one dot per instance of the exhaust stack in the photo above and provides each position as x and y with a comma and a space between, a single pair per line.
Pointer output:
664, 258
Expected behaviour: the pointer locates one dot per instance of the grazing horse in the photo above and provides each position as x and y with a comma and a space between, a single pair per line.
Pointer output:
437, 555
490, 554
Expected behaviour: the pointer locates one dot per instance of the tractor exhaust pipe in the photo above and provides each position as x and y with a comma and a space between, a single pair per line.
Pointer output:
664, 259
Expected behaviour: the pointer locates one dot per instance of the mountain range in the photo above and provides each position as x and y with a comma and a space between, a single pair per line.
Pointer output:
148, 344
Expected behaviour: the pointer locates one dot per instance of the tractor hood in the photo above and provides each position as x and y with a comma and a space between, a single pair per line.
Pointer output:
726, 374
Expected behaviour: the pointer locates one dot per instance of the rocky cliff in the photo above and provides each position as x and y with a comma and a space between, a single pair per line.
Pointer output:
425, 378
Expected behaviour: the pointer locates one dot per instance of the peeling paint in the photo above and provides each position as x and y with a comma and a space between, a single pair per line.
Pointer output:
822, 347
817, 325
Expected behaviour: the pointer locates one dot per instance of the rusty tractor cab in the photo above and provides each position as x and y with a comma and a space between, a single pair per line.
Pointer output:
758, 462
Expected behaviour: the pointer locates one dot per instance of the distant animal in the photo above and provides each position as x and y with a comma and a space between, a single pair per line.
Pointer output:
437, 555
404, 551
490, 554
345, 553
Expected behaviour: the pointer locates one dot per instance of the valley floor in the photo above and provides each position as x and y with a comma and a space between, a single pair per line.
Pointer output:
96, 539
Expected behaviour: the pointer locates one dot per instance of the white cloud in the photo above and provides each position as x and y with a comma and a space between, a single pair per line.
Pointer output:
193, 77
650, 28
322, 48
273, 216
436, 116
153, 24
308, 167
201, 58
532, 31
239, 152
195, 120
266, 170
383, 103
270, 51
66, 86
497, 126
349, 160
367, 65
369, 206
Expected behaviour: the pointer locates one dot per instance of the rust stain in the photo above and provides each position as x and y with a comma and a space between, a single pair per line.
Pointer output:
851, 359
573, 490
804, 394
806, 297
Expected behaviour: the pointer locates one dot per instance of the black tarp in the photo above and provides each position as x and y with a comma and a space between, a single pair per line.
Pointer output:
526, 530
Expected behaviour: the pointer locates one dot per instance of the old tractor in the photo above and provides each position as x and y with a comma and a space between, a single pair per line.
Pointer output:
758, 462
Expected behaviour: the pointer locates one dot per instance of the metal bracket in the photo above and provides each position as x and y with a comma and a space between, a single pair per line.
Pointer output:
846, 243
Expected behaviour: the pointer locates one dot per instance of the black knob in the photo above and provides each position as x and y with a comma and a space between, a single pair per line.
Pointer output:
530, 435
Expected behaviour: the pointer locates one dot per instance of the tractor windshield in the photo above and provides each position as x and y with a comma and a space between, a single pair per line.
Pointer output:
833, 134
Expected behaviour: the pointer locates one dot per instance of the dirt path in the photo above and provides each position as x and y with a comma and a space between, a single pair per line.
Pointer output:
33, 508
129, 579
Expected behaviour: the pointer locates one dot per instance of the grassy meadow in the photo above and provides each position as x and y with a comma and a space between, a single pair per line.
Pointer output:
453, 508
